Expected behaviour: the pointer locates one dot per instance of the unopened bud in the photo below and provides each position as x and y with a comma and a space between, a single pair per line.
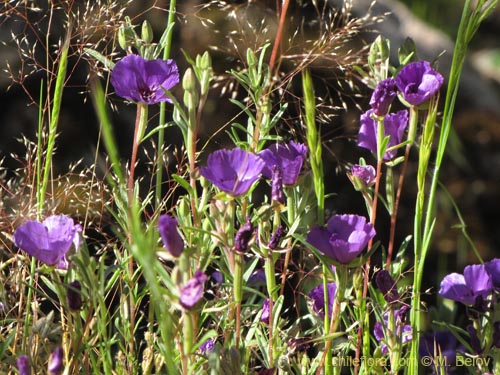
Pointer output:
146, 32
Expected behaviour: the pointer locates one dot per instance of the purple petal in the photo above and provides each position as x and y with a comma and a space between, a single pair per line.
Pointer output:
23, 365
365, 173
233, 171
394, 126
478, 280
31, 237
172, 241
493, 269
61, 232
192, 291
418, 82
382, 96
144, 81
56, 362
319, 237
317, 296
453, 287
288, 158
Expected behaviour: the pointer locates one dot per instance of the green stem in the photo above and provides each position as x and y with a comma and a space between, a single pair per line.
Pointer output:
54, 118
162, 116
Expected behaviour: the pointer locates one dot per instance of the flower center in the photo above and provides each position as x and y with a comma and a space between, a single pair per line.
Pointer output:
147, 93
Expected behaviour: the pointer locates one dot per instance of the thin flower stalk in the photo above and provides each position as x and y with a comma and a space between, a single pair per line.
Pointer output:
394, 214
162, 113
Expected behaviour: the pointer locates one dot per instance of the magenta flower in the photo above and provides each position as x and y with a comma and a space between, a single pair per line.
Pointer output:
192, 291
172, 240
382, 96
56, 362
394, 126
364, 174
23, 365
144, 81
475, 282
418, 82
50, 240
232, 171
288, 158
318, 299
344, 237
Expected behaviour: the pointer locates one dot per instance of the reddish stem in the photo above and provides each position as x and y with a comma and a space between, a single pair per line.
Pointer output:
279, 34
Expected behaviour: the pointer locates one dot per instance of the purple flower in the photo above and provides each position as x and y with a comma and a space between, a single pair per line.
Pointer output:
288, 158
418, 82
233, 171
265, 312
474, 342
387, 286
50, 240
207, 347
243, 235
443, 342
466, 288
140, 80
493, 269
363, 175
172, 240
382, 96
74, 296
344, 237
317, 297
403, 332
192, 291
56, 362
23, 365
394, 126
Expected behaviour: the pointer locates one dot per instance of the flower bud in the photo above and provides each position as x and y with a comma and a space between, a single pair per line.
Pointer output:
146, 32
243, 236
275, 238
387, 286
56, 362
127, 36
277, 194
23, 365
172, 241
192, 291
74, 296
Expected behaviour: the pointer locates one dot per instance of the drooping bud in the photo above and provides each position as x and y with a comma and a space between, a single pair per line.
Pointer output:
277, 194
172, 241
74, 296
243, 236
275, 238
387, 286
